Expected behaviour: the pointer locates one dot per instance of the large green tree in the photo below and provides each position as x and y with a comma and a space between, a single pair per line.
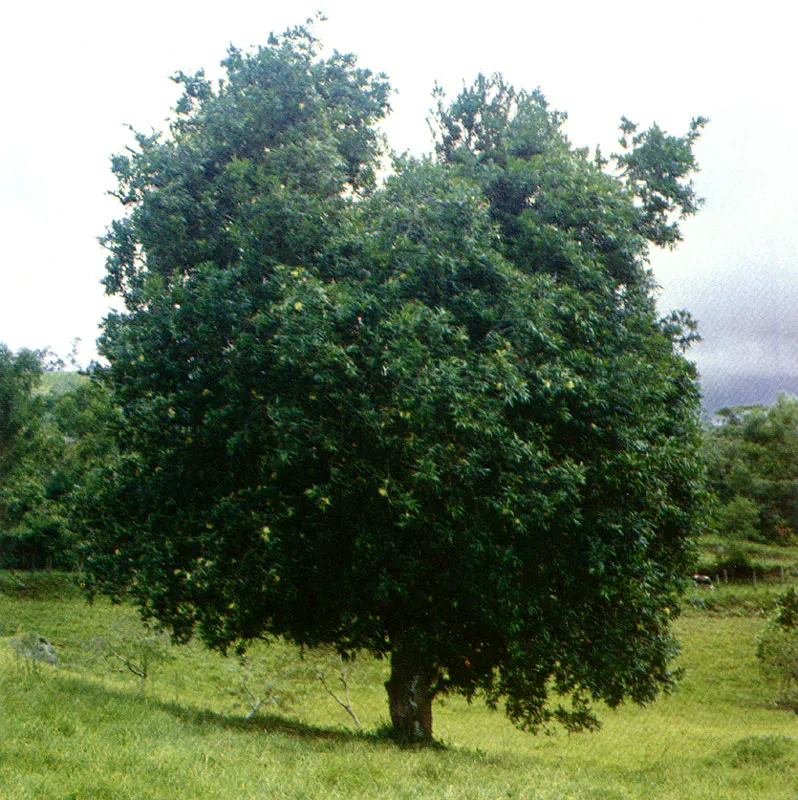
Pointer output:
437, 419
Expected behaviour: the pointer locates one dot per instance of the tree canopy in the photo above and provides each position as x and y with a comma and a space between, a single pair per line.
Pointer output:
434, 417
752, 459
54, 429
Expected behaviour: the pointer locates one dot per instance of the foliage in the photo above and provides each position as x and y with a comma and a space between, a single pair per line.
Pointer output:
51, 440
777, 649
19, 374
734, 556
752, 462
24, 447
436, 419
738, 518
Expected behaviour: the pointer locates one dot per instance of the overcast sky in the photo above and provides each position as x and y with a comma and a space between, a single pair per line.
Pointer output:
75, 74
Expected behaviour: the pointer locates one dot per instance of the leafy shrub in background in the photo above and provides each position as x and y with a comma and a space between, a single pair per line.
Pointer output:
752, 463
734, 556
55, 428
133, 647
739, 517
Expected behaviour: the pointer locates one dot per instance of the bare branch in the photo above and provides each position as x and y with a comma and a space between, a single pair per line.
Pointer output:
347, 706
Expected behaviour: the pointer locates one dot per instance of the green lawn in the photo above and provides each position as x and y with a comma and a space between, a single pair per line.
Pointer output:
85, 731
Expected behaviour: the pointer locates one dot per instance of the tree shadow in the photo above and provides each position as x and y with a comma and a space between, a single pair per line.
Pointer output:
203, 718
268, 722
276, 723
106, 700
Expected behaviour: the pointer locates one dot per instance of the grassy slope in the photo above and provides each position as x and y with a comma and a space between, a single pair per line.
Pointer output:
82, 731
765, 558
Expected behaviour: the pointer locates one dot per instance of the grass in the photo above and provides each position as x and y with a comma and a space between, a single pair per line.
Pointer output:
84, 731
768, 559
739, 598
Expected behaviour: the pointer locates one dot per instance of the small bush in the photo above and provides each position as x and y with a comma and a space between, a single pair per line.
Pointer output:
262, 682
33, 649
777, 649
134, 648
734, 556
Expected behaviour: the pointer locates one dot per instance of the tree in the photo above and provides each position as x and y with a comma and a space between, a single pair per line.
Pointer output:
20, 439
54, 429
437, 419
753, 459
19, 375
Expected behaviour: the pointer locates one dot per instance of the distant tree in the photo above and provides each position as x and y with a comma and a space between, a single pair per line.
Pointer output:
752, 461
437, 419
739, 517
19, 375
20, 423
50, 441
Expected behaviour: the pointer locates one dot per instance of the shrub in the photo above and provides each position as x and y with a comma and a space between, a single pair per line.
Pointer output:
134, 648
33, 650
734, 556
739, 518
777, 649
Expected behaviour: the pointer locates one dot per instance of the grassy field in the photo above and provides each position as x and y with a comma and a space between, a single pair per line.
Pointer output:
766, 559
86, 730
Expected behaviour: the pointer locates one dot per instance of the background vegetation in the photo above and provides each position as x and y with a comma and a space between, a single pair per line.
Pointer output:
752, 459
55, 429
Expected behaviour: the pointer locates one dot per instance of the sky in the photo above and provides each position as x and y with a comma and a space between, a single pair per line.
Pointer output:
77, 74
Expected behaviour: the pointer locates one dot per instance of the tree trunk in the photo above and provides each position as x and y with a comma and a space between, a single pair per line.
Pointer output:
410, 696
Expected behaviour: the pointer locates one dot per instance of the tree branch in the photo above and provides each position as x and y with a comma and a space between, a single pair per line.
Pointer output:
347, 706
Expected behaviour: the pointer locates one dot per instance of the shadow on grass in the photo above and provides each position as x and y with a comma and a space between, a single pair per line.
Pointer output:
204, 719
41, 585
262, 723
275, 723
